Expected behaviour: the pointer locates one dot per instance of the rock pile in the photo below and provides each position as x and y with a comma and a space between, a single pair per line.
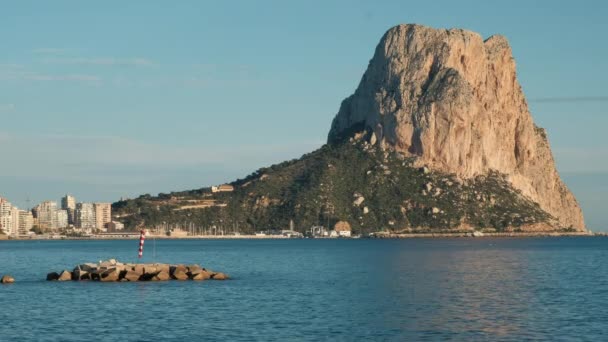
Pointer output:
7, 279
112, 270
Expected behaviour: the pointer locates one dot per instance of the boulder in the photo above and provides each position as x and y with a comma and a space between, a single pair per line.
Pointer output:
163, 268
194, 269
151, 269
7, 279
175, 268
96, 274
65, 276
131, 276
219, 276
161, 276
52, 276
106, 264
138, 268
203, 275
120, 267
179, 274
147, 276
79, 274
89, 267
109, 275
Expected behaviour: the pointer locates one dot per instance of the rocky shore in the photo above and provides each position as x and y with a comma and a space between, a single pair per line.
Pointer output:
113, 271
382, 235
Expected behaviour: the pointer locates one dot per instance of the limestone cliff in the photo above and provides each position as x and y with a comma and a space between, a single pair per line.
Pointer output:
452, 100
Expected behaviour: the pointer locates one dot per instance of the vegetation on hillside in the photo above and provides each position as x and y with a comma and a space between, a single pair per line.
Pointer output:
372, 189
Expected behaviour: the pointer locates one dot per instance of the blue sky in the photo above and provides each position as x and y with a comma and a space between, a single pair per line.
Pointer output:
115, 98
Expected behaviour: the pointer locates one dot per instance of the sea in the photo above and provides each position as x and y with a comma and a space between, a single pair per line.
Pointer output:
454, 289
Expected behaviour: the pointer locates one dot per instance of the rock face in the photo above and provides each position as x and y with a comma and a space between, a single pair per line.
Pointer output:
452, 100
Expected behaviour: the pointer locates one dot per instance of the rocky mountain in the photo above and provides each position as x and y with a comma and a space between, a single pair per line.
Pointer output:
437, 138
452, 100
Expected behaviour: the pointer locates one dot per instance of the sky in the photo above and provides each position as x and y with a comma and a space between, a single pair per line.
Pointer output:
115, 99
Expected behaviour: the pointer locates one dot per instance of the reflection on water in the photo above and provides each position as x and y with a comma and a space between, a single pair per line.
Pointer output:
422, 289
491, 288
449, 290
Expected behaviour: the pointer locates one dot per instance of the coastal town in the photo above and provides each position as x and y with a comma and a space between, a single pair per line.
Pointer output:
69, 218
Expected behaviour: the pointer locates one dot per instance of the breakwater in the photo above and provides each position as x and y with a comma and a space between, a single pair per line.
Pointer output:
113, 271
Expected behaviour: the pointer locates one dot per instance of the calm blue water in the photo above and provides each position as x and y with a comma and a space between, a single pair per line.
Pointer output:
396, 290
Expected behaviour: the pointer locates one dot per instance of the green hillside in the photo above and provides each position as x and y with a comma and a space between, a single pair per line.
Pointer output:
325, 186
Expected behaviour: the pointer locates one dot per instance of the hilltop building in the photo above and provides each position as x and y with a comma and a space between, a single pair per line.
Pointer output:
222, 188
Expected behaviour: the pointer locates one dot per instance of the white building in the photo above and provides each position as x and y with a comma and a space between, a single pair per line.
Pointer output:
62, 218
14, 222
69, 203
14, 231
6, 217
84, 216
46, 212
222, 188
344, 233
103, 214
26, 222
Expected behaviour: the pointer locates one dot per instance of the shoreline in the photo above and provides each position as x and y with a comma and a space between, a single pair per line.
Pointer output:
280, 237
488, 235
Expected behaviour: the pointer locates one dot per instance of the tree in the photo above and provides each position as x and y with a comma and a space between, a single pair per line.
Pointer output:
37, 230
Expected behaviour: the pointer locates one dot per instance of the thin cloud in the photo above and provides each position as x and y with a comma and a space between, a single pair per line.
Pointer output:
49, 50
22, 74
68, 77
10, 66
7, 107
573, 99
113, 150
108, 167
103, 61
